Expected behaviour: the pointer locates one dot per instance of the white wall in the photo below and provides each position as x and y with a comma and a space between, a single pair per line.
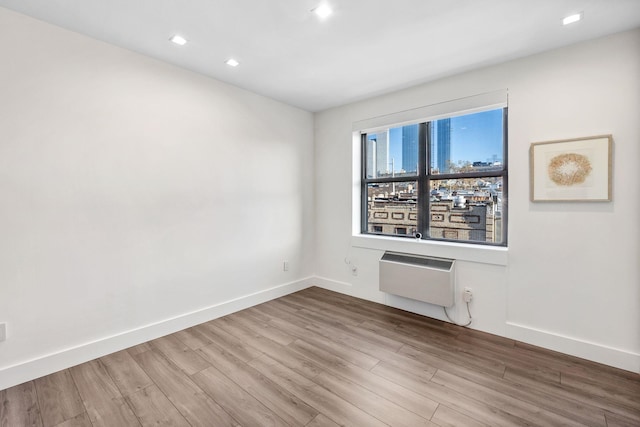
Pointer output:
136, 198
571, 279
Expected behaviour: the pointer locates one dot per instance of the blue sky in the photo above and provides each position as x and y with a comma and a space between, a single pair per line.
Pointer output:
474, 138
477, 137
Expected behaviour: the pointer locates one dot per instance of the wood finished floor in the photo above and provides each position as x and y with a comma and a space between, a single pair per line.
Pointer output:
317, 358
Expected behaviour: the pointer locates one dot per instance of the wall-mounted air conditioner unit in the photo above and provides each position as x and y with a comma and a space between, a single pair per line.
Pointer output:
421, 278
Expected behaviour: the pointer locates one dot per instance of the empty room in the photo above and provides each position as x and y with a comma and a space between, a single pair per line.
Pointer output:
319, 213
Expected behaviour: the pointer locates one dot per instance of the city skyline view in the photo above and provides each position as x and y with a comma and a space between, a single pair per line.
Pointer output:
460, 207
457, 140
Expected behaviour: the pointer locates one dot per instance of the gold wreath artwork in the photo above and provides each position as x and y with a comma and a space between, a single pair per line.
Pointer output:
569, 169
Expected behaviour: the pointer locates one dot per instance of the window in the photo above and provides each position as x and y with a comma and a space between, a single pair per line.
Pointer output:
444, 179
401, 230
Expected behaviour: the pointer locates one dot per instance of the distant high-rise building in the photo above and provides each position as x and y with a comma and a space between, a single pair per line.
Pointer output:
371, 156
443, 145
410, 148
378, 154
382, 154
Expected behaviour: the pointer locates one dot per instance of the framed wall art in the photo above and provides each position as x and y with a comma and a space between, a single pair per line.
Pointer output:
571, 170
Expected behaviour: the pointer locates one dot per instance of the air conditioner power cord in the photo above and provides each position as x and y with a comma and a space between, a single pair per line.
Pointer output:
459, 324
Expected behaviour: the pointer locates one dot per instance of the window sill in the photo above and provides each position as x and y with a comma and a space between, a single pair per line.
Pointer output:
460, 251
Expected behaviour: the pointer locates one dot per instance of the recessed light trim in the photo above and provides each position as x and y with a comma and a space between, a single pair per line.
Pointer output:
232, 62
179, 40
322, 11
572, 18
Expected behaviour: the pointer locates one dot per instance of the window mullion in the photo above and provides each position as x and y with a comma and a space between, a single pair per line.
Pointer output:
423, 178
402, 178
469, 175
364, 199
505, 176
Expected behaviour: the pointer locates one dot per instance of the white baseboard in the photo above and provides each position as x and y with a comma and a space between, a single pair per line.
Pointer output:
361, 292
332, 285
615, 357
54, 362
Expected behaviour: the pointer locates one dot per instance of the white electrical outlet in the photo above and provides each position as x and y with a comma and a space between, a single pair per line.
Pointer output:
354, 270
3, 332
285, 266
467, 295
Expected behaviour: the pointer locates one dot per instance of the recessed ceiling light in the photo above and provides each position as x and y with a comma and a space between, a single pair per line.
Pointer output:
232, 62
572, 18
178, 40
323, 10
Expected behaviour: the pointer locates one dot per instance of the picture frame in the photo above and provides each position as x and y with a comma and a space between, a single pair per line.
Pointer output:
571, 170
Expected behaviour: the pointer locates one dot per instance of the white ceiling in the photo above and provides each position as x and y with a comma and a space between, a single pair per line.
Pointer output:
366, 48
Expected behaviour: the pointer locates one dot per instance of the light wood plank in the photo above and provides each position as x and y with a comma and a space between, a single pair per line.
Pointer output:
140, 348
339, 410
242, 350
443, 347
291, 326
246, 320
615, 420
58, 398
19, 406
299, 364
371, 403
235, 400
102, 399
389, 390
281, 305
347, 340
193, 338
502, 349
536, 373
559, 391
609, 390
181, 355
322, 421
524, 410
442, 360
257, 314
193, 403
447, 417
388, 343
587, 415
126, 373
626, 380
283, 403
332, 311
81, 420
153, 408
570, 364
373, 344
566, 407
470, 407
387, 314
485, 339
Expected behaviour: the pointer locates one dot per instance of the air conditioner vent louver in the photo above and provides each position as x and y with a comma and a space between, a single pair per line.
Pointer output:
421, 278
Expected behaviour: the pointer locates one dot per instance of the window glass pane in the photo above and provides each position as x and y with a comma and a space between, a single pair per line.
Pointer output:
392, 152
392, 208
470, 143
466, 209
